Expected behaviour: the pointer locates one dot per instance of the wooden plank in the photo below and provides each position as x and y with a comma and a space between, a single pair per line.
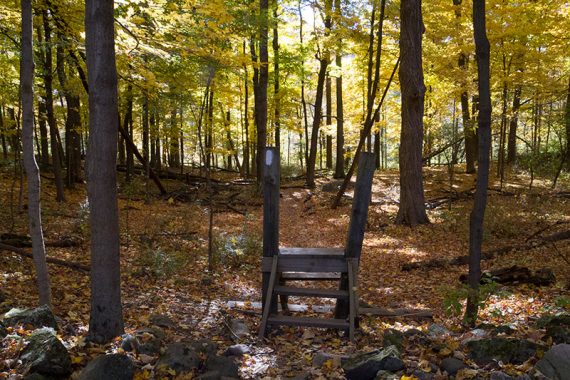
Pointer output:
271, 177
297, 308
308, 276
307, 263
310, 292
311, 251
351, 299
308, 321
268, 297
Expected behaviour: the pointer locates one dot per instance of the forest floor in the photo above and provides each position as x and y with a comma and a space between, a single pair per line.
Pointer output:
164, 260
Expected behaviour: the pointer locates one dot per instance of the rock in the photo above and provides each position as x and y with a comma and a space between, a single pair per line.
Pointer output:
452, 365
162, 320
205, 347
437, 331
38, 317
506, 350
459, 355
224, 365
559, 334
3, 331
35, 376
553, 320
46, 355
556, 362
386, 375
322, 357
498, 375
239, 329
237, 350
210, 375
180, 357
129, 342
149, 340
421, 375
503, 330
366, 366
393, 337
109, 367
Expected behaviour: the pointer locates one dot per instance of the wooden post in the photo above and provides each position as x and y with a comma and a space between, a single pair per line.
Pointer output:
359, 214
358, 217
271, 177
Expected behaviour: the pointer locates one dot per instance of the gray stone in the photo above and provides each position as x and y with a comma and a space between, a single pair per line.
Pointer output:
553, 320
559, 334
210, 375
149, 340
3, 331
321, 357
556, 362
366, 366
46, 355
36, 376
421, 375
224, 365
452, 365
502, 349
498, 375
386, 375
239, 329
205, 347
38, 317
437, 331
162, 320
393, 337
180, 357
109, 367
237, 350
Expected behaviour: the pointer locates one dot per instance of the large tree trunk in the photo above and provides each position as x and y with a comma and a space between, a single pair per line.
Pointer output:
246, 148
32, 171
261, 89
72, 122
412, 203
329, 157
276, 95
512, 143
44, 141
106, 321
484, 126
468, 127
324, 62
567, 121
48, 82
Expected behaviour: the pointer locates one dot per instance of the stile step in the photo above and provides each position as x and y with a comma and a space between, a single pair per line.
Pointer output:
328, 323
310, 292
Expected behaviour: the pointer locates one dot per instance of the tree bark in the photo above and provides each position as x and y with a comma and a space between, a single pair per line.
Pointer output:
261, 89
482, 49
106, 321
567, 122
48, 82
32, 171
324, 59
412, 203
44, 141
276, 95
512, 143
329, 157
246, 148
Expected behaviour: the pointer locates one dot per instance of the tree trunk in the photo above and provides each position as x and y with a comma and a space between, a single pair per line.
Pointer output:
106, 321
72, 122
48, 82
329, 160
44, 141
412, 204
567, 122
324, 62
3, 134
32, 171
276, 95
246, 150
261, 93
174, 156
482, 49
512, 143
145, 129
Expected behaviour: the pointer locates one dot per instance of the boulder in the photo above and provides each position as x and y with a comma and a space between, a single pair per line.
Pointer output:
557, 327
498, 375
501, 349
393, 337
145, 341
421, 375
366, 366
553, 320
162, 320
452, 366
237, 350
559, 334
38, 317
3, 331
46, 355
36, 376
109, 367
225, 366
321, 357
180, 357
205, 347
386, 375
438, 331
556, 362
239, 329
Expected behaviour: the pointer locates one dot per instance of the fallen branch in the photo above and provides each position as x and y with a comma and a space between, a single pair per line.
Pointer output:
68, 264
396, 313
463, 260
